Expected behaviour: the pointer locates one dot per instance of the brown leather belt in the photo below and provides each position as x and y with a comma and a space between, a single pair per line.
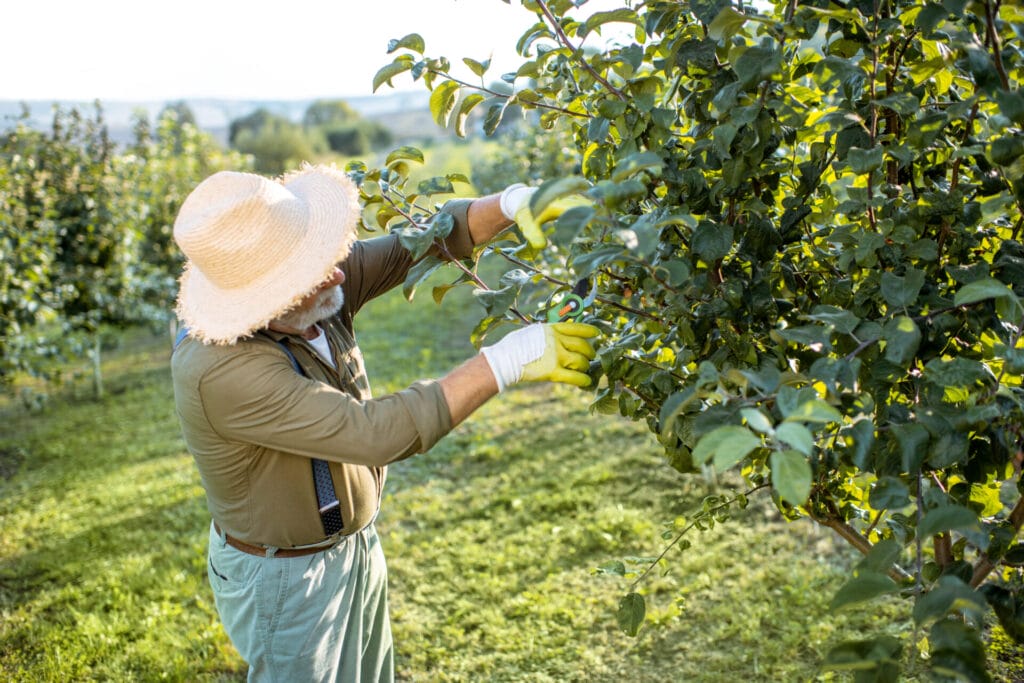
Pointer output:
260, 551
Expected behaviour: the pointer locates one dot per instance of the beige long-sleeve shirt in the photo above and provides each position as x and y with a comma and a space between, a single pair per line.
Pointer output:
252, 423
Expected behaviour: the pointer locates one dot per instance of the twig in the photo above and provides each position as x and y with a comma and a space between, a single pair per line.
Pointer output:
563, 283
564, 40
495, 93
443, 248
679, 537
992, 38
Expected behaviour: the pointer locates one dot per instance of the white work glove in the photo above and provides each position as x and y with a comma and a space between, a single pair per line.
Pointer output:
515, 206
543, 352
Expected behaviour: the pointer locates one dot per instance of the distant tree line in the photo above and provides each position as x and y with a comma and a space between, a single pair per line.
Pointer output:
327, 127
86, 225
86, 229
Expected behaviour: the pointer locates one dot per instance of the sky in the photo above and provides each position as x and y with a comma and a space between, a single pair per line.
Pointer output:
233, 49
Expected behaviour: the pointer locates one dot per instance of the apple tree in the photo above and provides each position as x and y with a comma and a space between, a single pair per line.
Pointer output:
803, 233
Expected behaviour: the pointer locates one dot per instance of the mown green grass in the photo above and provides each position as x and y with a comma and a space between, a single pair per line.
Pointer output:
492, 540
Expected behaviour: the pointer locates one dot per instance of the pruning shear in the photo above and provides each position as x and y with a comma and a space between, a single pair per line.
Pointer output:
573, 304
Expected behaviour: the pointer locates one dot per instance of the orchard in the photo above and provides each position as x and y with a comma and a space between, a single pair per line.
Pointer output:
798, 225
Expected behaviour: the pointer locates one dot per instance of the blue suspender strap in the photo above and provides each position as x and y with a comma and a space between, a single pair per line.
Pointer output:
182, 333
326, 498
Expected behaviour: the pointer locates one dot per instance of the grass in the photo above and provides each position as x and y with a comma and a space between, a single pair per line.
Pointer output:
492, 539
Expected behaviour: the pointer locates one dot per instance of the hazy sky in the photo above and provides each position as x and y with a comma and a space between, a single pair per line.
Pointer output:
289, 49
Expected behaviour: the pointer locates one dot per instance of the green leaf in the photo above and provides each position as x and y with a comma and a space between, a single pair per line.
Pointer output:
796, 436
598, 19
889, 493
866, 586
874, 661
757, 420
631, 613
496, 301
478, 68
726, 24
672, 407
465, 107
881, 557
419, 272
791, 476
901, 292
979, 290
557, 189
950, 596
957, 651
757, 64
712, 241
727, 445
586, 263
946, 518
413, 42
815, 411
865, 160
386, 73
913, 441
634, 163
843, 321
902, 338
492, 119
435, 185
442, 101
404, 154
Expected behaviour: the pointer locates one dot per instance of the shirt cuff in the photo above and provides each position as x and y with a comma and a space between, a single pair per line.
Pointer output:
429, 410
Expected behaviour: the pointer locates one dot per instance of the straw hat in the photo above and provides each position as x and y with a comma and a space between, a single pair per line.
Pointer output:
257, 246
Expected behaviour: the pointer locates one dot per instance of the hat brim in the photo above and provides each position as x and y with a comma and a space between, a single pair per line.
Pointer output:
223, 316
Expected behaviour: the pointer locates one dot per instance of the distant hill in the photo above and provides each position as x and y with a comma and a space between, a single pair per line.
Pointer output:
407, 114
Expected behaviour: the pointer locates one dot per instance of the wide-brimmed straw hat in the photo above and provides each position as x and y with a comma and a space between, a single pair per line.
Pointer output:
257, 246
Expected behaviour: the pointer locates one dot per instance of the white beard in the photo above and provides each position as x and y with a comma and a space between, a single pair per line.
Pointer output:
327, 304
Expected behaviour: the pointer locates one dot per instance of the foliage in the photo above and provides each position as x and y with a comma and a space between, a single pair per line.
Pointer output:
325, 112
490, 538
275, 147
88, 228
526, 157
357, 138
804, 233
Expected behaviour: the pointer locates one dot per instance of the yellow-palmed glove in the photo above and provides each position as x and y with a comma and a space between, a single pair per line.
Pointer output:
515, 206
543, 352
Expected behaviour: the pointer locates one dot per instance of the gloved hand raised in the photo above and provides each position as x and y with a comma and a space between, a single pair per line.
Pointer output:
543, 352
515, 206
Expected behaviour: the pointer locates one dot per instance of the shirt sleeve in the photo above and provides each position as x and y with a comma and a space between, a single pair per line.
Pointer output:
378, 264
259, 399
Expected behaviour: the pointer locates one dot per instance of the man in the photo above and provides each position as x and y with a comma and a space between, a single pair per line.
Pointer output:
275, 407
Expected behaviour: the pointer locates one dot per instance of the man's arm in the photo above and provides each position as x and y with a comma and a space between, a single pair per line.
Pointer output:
468, 387
485, 218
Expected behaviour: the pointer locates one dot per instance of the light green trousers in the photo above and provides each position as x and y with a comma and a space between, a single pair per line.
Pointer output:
319, 617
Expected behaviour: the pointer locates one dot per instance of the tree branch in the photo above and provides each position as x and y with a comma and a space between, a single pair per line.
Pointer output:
564, 40
697, 519
495, 93
984, 566
854, 538
943, 544
563, 283
992, 38
443, 248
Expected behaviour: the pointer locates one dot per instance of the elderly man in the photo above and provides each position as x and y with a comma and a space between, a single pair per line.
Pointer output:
275, 407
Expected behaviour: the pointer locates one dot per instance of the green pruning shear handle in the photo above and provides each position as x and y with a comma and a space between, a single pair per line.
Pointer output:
573, 304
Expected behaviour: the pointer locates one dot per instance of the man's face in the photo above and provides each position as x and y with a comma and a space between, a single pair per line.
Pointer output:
325, 300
